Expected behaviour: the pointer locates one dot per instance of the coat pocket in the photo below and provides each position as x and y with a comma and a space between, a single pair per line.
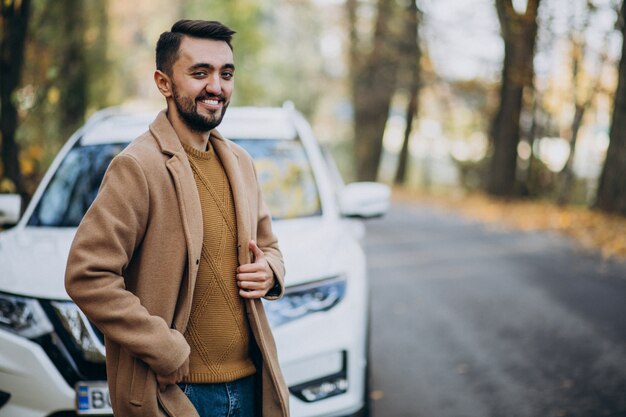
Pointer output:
138, 382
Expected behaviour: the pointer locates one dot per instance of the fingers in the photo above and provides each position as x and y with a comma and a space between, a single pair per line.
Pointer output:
251, 268
174, 378
252, 294
165, 381
162, 387
254, 279
255, 276
253, 285
256, 252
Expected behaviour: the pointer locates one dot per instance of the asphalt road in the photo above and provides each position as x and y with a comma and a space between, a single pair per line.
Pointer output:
469, 320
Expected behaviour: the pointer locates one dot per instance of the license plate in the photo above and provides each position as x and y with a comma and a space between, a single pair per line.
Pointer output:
92, 398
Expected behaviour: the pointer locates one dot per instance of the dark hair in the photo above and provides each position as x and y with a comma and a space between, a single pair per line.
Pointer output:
169, 42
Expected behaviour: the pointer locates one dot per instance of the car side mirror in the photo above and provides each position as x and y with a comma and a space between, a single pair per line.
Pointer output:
10, 206
364, 199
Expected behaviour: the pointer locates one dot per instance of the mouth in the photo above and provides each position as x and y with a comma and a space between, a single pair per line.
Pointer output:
212, 103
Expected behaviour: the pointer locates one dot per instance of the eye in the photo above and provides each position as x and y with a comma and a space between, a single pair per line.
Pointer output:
227, 75
199, 74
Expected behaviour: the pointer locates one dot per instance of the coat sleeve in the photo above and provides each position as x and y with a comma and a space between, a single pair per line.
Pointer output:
105, 241
268, 243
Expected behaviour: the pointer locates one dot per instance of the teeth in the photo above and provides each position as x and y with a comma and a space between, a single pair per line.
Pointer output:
211, 102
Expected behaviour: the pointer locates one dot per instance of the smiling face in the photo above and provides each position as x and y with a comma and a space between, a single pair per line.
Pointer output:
201, 83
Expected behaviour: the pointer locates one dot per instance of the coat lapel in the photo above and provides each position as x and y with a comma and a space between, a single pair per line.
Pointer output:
189, 206
230, 162
173, 400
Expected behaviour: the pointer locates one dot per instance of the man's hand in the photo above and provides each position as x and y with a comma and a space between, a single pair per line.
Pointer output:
257, 278
173, 378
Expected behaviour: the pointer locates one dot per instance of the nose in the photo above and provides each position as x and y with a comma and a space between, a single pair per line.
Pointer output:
213, 85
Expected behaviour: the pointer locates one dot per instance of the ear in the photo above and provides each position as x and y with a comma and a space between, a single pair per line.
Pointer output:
163, 83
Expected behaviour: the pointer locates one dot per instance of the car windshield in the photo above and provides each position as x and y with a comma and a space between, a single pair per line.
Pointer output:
285, 176
74, 186
283, 169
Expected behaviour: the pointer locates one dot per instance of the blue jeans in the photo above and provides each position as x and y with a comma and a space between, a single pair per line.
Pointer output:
228, 399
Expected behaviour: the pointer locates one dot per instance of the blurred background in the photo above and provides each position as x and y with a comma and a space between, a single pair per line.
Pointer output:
512, 97
510, 110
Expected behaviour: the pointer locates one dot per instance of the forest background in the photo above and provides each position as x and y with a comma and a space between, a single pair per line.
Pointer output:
520, 99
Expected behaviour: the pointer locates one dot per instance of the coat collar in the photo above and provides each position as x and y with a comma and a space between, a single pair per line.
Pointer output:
165, 135
168, 139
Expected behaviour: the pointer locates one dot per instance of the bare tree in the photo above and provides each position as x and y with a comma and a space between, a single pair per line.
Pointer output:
373, 76
519, 32
583, 97
611, 194
14, 17
73, 103
410, 50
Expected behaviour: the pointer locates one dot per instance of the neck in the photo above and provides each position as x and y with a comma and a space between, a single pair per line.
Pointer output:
197, 140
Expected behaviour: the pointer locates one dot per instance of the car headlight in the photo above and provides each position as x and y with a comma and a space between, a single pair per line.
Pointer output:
309, 298
23, 316
83, 334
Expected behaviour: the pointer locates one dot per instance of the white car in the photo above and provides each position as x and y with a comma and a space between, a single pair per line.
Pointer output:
52, 358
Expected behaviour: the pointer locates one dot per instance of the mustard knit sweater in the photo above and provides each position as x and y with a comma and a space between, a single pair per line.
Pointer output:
218, 330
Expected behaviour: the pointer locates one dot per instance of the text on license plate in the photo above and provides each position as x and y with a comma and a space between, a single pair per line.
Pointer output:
92, 398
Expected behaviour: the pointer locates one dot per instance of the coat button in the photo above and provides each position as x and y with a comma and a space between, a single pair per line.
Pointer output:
197, 261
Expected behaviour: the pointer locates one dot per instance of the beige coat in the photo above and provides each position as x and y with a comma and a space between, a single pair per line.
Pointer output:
133, 264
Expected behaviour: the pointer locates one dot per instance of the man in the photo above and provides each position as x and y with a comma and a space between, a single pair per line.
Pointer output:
172, 258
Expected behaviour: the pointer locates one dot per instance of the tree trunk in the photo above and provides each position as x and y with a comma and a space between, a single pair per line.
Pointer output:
14, 16
403, 158
611, 194
373, 85
411, 50
519, 32
97, 64
582, 101
73, 84
567, 173
354, 57
526, 172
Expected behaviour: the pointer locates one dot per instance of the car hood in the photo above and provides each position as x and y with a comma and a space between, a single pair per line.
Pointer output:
315, 248
33, 259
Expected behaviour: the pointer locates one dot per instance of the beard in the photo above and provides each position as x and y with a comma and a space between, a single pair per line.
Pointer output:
188, 110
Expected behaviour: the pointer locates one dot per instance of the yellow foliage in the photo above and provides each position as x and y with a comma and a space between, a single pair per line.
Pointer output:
54, 94
27, 166
35, 152
15, 3
7, 186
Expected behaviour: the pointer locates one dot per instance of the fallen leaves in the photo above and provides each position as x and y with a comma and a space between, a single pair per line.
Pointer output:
377, 395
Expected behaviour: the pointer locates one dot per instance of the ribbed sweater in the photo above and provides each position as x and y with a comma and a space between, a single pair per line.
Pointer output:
218, 330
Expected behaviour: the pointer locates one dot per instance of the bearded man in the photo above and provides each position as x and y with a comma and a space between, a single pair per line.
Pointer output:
173, 257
